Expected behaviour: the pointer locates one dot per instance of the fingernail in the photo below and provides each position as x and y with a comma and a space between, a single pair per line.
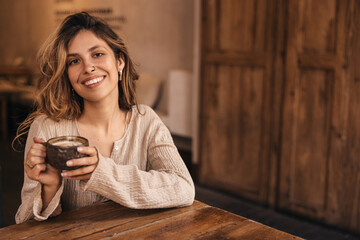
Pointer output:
79, 149
69, 163
63, 174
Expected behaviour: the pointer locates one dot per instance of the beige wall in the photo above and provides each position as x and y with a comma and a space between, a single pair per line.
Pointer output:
21, 29
159, 32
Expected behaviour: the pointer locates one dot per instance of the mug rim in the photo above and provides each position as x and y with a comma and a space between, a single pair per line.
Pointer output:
80, 139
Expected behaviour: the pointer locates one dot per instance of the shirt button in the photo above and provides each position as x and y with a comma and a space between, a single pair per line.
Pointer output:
116, 148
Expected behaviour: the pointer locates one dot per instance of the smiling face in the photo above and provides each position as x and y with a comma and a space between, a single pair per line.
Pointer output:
92, 67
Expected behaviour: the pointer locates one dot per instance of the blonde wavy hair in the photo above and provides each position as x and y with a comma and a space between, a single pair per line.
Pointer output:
55, 98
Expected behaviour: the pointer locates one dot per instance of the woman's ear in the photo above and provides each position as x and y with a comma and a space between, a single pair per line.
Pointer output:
120, 63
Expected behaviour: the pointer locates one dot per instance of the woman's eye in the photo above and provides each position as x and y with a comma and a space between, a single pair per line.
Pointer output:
98, 54
73, 62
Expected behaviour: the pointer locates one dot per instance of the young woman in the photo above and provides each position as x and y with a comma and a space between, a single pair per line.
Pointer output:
88, 89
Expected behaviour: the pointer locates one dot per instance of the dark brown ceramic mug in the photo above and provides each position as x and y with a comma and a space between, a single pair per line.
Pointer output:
61, 149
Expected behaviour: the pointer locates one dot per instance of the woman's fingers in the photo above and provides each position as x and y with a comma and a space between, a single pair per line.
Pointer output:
86, 161
92, 159
38, 152
33, 161
34, 173
38, 140
40, 167
37, 169
38, 146
87, 164
91, 151
36, 155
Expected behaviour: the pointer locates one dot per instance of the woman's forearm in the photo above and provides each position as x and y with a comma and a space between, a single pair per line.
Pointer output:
47, 194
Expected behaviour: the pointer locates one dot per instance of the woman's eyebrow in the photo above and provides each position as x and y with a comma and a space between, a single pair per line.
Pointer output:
93, 48
72, 54
89, 50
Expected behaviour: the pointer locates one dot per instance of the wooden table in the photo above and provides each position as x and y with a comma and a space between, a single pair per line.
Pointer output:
111, 221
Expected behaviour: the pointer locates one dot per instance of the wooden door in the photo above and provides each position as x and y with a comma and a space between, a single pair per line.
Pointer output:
236, 96
316, 172
280, 105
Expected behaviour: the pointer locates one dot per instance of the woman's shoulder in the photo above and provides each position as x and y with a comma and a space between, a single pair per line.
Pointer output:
51, 127
143, 107
47, 121
41, 120
147, 120
145, 112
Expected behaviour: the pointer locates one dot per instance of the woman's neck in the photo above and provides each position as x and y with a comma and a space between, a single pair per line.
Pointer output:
102, 124
102, 116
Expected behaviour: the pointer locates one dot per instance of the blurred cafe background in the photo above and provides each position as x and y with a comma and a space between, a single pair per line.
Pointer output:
262, 98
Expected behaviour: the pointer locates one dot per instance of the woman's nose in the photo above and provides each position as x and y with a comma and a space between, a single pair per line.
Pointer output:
89, 67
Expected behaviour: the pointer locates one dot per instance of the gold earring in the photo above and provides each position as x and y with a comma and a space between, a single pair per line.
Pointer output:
120, 75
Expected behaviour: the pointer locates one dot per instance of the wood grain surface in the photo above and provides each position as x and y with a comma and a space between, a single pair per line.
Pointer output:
110, 220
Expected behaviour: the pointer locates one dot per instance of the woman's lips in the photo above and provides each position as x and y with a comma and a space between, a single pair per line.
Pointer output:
93, 81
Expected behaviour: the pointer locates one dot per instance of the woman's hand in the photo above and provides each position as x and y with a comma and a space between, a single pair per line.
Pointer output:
37, 169
88, 164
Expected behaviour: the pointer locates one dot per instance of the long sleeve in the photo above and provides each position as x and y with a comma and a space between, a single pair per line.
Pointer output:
31, 201
145, 170
165, 182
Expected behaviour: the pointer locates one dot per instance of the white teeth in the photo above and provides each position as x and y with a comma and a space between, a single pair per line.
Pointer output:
96, 80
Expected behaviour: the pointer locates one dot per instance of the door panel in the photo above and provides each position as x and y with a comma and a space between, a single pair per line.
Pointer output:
310, 143
233, 127
314, 75
236, 96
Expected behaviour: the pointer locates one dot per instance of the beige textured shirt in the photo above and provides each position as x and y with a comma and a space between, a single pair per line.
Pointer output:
144, 170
